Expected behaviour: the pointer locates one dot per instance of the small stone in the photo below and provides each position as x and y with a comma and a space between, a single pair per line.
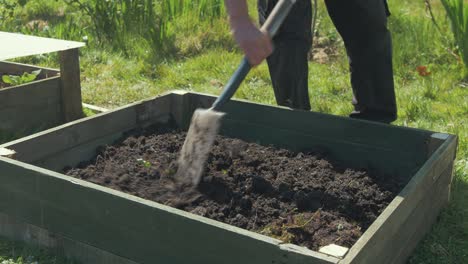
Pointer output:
334, 250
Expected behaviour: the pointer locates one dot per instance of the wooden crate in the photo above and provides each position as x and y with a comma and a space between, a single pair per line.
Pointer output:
98, 225
53, 99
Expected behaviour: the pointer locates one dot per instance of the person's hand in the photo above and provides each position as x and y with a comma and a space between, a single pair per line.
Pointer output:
255, 43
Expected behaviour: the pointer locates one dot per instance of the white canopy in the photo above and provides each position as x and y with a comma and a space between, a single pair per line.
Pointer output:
14, 45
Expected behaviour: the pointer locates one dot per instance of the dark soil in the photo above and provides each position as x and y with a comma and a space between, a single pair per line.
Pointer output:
300, 198
2, 84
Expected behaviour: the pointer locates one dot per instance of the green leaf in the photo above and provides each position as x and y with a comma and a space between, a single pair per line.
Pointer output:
37, 72
27, 77
6, 79
16, 79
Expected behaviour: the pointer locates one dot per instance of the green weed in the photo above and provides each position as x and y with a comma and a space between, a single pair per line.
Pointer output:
457, 12
19, 253
26, 77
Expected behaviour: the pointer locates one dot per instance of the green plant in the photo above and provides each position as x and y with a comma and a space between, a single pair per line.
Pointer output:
14, 252
145, 163
125, 24
204, 9
117, 20
7, 11
457, 13
14, 80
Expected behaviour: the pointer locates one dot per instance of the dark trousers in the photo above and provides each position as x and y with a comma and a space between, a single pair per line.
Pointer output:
363, 26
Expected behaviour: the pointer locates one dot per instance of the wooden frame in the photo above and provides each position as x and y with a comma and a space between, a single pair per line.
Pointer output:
50, 101
99, 225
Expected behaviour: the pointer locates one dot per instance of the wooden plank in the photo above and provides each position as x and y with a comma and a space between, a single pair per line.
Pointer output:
88, 132
346, 153
95, 109
18, 230
154, 110
378, 237
71, 84
19, 68
56, 140
180, 109
32, 117
18, 45
21, 108
417, 224
138, 229
148, 113
31, 93
423, 218
35, 106
73, 156
336, 127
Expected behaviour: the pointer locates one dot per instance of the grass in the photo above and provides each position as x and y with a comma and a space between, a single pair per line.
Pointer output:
201, 56
19, 253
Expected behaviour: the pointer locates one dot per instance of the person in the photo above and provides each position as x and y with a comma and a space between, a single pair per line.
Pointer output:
363, 26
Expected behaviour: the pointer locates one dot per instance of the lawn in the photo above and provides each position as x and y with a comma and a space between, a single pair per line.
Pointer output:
191, 49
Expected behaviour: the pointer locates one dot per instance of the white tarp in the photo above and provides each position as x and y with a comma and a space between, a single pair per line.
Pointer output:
17, 45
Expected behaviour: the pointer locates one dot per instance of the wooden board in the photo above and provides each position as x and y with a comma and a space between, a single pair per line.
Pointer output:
350, 142
18, 45
15, 68
396, 232
19, 230
31, 107
70, 85
40, 104
77, 141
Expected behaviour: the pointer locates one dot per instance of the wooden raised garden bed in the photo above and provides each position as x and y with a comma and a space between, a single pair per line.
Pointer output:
39, 203
30, 107
53, 98
36, 105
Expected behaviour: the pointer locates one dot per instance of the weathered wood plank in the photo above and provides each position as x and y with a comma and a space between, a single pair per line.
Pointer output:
116, 222
31, 107
339, 128
73, 156
32, 117
180, 109
346, 153
154, 110
7, 67
33, 93
71, 84
423, 218
416, 225
381, 234
95, 109
65, 141
56, 140
16, 229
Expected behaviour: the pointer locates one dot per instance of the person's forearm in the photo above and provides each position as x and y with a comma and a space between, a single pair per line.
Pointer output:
255, 43
237, 10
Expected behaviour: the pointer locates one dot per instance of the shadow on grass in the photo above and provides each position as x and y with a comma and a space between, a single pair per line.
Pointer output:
447, 241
